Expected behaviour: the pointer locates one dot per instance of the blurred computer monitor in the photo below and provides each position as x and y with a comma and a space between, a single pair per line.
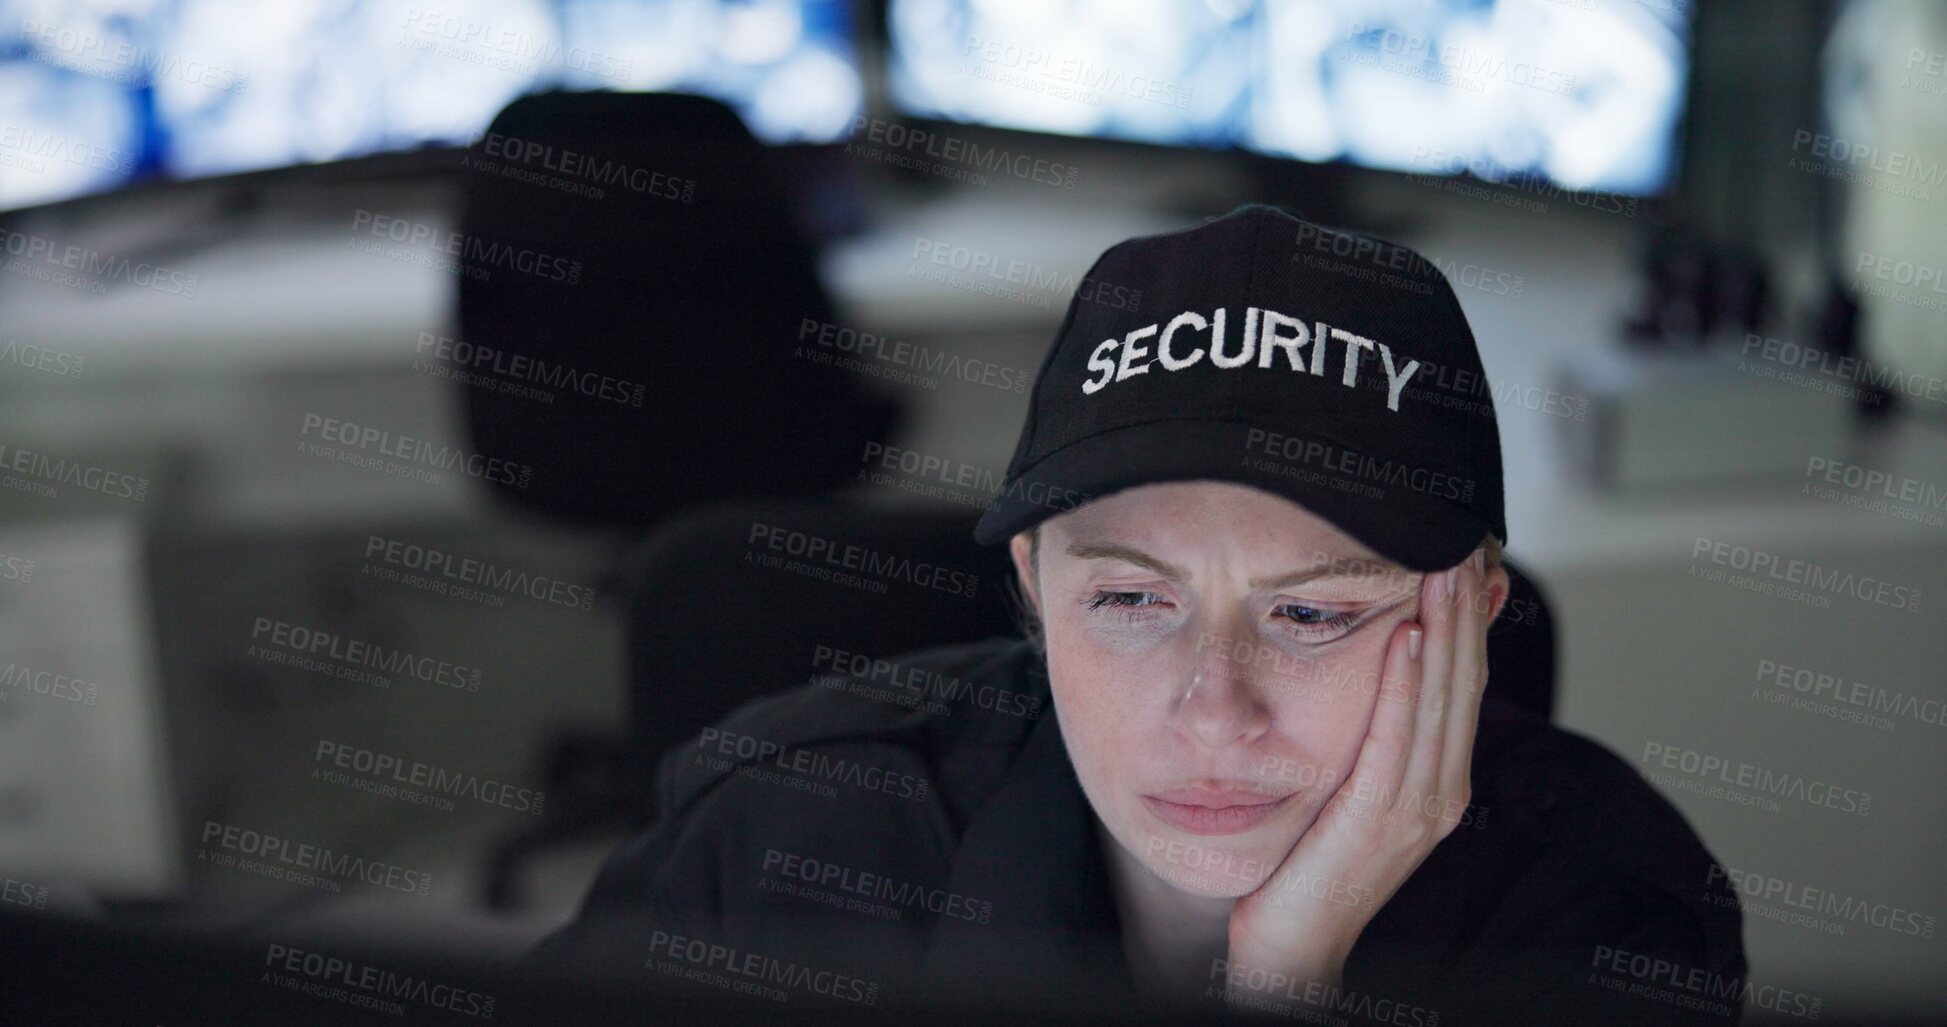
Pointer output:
1583, 95
95, 96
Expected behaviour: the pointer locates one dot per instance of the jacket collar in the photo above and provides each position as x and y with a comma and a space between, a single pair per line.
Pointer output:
1054, 938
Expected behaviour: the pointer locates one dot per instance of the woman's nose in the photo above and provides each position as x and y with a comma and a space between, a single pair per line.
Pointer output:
1221, 705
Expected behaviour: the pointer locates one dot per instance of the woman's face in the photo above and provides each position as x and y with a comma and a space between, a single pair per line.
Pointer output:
1214, 652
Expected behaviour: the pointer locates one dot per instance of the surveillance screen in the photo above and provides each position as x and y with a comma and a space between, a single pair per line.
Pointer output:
94, 95
1584, 95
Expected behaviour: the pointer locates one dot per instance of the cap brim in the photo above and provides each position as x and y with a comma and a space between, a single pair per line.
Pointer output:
1401, 517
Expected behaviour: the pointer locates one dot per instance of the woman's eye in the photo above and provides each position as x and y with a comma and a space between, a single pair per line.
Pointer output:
1130, 599
1316, 621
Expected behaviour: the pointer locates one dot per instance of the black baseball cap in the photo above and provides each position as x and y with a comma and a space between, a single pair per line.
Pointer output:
1328, 367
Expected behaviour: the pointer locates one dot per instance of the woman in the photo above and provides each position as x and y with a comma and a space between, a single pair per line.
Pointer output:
1268, 779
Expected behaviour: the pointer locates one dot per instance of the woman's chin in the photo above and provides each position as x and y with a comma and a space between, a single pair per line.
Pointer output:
1212, 883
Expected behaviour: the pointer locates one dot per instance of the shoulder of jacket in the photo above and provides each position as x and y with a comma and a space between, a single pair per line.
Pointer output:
916, 703
1564, 790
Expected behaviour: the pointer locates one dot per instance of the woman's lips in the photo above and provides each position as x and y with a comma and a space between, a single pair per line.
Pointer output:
1213, 811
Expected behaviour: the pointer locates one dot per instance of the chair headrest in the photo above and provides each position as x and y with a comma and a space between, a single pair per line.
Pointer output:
634, 256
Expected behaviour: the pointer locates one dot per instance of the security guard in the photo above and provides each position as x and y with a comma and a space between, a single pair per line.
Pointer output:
1228, 790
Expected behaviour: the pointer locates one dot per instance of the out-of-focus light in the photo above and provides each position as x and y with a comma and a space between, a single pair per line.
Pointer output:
62, 133
814, 94
759, 33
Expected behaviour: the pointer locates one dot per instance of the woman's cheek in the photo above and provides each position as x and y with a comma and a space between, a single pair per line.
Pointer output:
1123, 681
1337, 718
1099, 707
1129, 642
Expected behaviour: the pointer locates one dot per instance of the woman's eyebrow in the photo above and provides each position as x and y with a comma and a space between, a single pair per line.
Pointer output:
1128, 554
1333, 571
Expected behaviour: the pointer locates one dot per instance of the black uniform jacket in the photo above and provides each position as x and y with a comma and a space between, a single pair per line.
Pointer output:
837, 843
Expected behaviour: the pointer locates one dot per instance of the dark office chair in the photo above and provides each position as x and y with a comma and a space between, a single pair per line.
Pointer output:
635, 257
664, 314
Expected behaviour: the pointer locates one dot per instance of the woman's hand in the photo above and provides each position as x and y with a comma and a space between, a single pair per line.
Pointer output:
1407, 791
